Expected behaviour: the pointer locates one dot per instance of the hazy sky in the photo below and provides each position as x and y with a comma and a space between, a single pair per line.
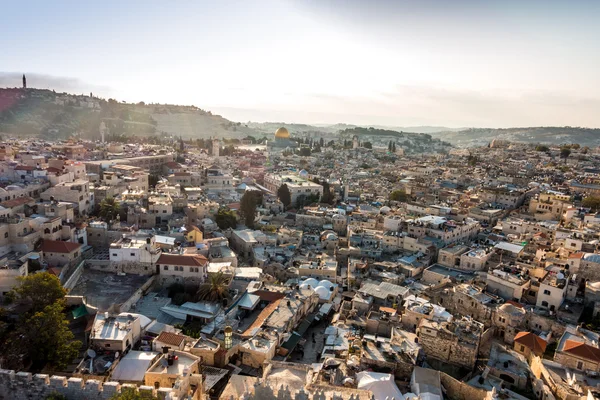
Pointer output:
398, 62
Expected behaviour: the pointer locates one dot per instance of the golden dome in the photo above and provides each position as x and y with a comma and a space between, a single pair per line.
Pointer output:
282, 133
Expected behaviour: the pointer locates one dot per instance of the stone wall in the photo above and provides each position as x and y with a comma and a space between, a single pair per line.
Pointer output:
25, 386
126, 306
70, 283
127, 267
457, 390
401, 370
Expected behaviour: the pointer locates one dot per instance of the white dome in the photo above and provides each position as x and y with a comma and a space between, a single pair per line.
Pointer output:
303, 173
385, 210
326, 284
323, 293
311, 281
305, 286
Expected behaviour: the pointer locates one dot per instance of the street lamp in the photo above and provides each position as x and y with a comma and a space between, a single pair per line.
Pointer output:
228, 337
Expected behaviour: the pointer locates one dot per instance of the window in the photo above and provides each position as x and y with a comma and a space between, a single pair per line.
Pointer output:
114, 254
580, 365
547, 292
107, 345
544, 304
522, 348
166, 267
132, 254
532, 293
6, 235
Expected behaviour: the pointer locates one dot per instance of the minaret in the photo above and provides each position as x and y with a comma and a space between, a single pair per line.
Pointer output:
24, 82
216, 146
102, 130
355, 142
346, 189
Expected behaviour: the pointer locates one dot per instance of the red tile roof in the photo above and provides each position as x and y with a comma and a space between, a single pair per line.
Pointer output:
582, 350
57, 246
531, 340
17, 202
24, 168
577, 255
171, 338
191, 260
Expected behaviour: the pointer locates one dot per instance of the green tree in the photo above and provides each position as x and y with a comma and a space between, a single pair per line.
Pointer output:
42, 338
284, 195
398, 195
38, 291
327, 196
390, 146
321, 142
131, 394
304, 152
109, 209
226, 219
592, 202
152, 180
248, 205
565, 152
367, 145
215, 289
541, 147
55, 396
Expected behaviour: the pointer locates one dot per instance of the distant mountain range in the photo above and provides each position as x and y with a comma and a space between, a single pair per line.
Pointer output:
34, 112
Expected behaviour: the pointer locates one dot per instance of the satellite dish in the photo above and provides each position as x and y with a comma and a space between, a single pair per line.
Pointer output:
91, 353
560, 276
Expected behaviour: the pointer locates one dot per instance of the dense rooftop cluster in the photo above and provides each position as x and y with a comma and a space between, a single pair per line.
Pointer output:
268, 271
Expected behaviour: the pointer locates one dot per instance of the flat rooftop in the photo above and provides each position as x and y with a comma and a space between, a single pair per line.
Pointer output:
449, 272
177, 368
103, 289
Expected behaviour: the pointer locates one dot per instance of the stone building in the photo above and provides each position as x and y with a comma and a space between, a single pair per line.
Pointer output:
454, 342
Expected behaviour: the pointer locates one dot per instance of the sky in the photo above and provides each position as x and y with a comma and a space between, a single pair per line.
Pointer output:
453, 63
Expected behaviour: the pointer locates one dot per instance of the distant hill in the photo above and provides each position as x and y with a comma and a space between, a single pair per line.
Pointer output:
34, 112
45, 113
546, 135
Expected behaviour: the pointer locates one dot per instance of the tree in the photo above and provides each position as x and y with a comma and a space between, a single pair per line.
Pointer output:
398, 195
321, 142
38, 291
305, 152
248, 207
109, 209
130, 393
390, 146
284, 195
152, 180
45, 337
541, 147
565, 152
592, 202
327, 196
367, 145
226, 219
215, 289
55, 396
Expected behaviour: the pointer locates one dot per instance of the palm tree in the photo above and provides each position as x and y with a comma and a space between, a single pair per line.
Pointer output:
109, 208
215, 289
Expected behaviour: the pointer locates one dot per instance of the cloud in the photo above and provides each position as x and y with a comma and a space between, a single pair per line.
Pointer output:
58, 83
